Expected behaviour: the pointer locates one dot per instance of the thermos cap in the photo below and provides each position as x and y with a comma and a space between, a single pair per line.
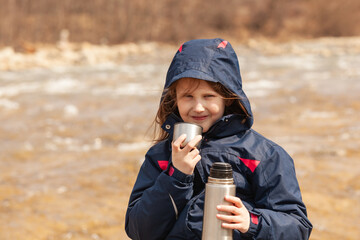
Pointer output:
221, 170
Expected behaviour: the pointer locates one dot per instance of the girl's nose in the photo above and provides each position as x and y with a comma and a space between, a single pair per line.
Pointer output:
199, 107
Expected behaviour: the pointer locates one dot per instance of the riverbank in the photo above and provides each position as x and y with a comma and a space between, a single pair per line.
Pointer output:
75, 119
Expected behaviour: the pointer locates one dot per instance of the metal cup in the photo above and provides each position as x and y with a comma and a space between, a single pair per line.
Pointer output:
190, 129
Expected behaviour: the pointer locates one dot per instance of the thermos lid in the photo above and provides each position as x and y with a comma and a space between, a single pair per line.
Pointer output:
221, 170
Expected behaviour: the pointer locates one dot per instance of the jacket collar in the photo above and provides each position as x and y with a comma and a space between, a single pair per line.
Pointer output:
226, 126
169, 123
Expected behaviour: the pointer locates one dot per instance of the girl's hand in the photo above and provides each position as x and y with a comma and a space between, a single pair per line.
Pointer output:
239, 217
184, 159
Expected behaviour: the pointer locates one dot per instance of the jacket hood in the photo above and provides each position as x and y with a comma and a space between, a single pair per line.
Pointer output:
211, 60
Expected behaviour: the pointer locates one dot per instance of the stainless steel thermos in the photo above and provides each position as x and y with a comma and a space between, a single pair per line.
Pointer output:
220, 183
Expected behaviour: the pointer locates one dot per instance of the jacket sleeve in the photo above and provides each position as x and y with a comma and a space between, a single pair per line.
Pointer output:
279, 212
156, 200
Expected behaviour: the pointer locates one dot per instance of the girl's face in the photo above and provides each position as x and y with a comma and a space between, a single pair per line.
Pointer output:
198, 102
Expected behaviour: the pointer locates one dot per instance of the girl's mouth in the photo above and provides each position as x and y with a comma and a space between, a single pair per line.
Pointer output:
199, 118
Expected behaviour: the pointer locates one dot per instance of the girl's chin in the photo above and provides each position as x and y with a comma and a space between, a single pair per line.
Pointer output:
205, 128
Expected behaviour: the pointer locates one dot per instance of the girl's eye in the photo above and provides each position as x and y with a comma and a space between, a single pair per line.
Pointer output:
209, 96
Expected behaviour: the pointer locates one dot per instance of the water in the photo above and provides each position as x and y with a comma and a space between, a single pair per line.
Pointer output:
73, 136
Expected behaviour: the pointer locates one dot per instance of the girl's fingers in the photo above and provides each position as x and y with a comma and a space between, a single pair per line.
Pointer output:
185, 158
235, 216
231, 225
229, 209
177, 143
228, 218
192, 144
234, 222
196, 159
194, 152
234, 200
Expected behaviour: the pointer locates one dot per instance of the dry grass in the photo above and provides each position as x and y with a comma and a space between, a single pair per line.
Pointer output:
23, 22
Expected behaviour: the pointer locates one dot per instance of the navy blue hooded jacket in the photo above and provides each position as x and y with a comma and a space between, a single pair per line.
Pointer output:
168, 204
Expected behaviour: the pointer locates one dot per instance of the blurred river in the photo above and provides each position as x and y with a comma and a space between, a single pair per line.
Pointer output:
73, 136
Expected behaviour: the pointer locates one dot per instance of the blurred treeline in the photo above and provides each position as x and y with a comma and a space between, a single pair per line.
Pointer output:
116, 21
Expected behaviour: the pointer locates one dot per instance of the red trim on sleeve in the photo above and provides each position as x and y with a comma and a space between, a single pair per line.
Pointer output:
163, 164
222, 44
250, 163
171, 171
180, 48
254, 219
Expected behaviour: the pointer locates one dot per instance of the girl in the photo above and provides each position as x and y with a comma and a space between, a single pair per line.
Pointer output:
203, 86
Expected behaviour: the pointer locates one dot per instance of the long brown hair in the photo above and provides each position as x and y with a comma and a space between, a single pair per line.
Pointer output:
168, 106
